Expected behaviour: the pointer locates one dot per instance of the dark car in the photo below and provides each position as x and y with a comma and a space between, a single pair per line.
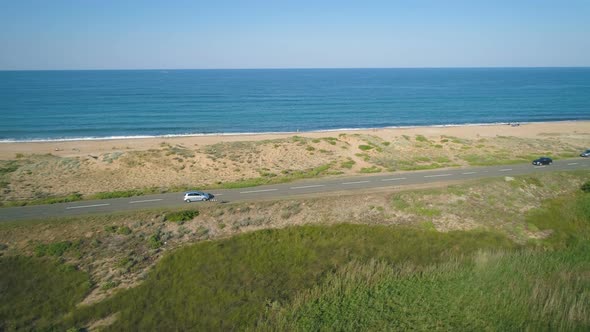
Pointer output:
585, 153
543, 161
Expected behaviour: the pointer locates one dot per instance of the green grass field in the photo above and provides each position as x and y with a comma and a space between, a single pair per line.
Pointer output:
232, 281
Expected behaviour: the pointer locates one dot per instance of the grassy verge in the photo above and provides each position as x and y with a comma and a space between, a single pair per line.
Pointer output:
48, 200
101, 195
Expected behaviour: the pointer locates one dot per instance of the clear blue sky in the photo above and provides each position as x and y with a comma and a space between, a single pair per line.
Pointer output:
119, 34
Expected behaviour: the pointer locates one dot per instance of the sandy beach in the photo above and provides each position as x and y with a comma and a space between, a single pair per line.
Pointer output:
98, 146
38, 170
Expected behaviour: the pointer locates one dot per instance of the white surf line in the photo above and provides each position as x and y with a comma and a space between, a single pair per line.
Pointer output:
436, 175
146, 200
466, 173
355, 182
572, 164
310, 186
505, 170
257, 191
86, 206
393, 179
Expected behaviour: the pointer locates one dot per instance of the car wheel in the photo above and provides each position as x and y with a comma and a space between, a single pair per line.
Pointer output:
187, 200
550, 162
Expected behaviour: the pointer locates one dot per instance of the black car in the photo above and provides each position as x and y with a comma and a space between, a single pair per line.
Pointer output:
585, 153
543, 161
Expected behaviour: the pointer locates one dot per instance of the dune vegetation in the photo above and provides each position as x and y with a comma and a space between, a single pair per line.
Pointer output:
123, 171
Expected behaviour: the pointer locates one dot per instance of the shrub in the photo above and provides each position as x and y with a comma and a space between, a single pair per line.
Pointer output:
53, 249
372, 169
154, 241
181, 216
202, 231
124, 230
330, 140
8, 167
365, 147
421, 138
347, 164
108, 285
586, 187
110, 229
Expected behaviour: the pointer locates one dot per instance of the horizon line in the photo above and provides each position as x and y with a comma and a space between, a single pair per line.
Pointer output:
295, 68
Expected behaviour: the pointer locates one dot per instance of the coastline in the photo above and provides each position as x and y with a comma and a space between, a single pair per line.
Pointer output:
84, 146
339, 130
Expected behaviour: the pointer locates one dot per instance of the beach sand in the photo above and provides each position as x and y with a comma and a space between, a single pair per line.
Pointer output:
85, 147
37, 170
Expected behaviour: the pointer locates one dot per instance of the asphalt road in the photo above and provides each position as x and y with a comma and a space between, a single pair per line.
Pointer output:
306, 187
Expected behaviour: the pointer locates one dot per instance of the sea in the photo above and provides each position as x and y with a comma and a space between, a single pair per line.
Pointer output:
102, 104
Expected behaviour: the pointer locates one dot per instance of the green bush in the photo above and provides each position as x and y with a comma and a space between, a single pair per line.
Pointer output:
124, 230
365, 147
56, 249
180, 216
110, 229
421, 138
348, 164
586, 187
8, 167
372, 169
154, 241
109, 285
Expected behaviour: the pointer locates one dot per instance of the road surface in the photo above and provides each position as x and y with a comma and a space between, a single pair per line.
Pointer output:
306, 187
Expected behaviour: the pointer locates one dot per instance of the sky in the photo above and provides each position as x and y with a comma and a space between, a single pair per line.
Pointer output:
174, 34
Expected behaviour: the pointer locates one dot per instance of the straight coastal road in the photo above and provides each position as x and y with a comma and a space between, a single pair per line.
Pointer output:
307, 187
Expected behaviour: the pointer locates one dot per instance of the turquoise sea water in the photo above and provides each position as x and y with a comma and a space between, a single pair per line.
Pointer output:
48, 105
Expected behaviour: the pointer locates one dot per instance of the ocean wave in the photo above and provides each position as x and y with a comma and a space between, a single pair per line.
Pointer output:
100, 138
